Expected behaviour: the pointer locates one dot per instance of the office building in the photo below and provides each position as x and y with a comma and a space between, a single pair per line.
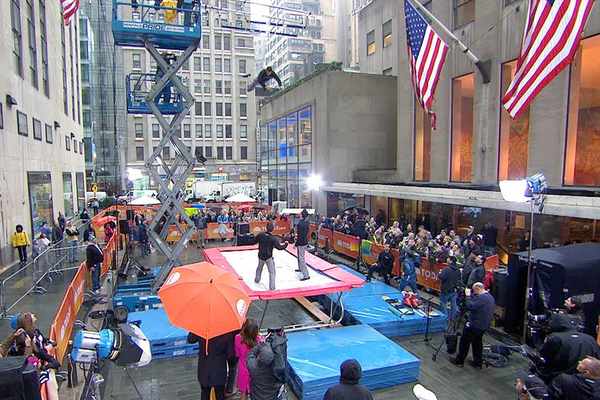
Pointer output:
295, 57
450, 175
41, 138
221, 124
104, 117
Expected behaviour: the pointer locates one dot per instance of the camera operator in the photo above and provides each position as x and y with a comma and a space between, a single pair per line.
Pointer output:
584, 385
563, 348
450, 280
480, 305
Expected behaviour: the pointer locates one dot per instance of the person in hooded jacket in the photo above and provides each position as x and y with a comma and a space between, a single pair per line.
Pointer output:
349, 387
212, 363
263, 383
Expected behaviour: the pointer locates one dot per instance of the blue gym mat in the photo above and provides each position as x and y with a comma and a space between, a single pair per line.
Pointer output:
166, 340
137, 301
314, 358
365, 305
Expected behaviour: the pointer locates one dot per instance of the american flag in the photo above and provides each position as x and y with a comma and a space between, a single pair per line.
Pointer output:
69, 9
426, 53
551, 39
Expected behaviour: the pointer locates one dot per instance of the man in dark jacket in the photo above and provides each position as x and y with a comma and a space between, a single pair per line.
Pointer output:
266, 241
450, 280
301, 243
212, 365
412, 260
478, 273
467, 268
93, 260
263, 383
349, 387
263, 78
481, 305
384, 265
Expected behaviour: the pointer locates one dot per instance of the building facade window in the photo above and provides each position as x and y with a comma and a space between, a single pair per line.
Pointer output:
218, 87
206, 64
139, 130
198, 130
219, 109
49, 134
227, 65
371, 46
136, 61
197, 64
197, 86
242, 66
63, 44
69, 204
243, 131
243, 153
187, 131
219, 152
208, 131
227, 90
17, 35
166, 153
139, 153
583, 130
207, 108
219, 131
243, 110
22, 125
422, 167
198, 108
44, 47
228, 131
32, 40
229, 153
464, 12
387, 33
226, 41
228, 109
208, 152
37, 130
463, 92
40, 200
218, 65
206, 86
206, 41
67, 143
218, 41
514, 135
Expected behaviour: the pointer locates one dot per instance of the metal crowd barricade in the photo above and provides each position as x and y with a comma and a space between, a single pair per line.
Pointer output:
44, 269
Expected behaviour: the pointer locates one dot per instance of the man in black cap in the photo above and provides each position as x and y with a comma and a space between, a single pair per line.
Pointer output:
301, 243
349, 387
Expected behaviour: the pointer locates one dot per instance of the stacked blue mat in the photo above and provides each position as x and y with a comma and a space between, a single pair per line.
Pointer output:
315, 356
137, 296
166, 340
365, 305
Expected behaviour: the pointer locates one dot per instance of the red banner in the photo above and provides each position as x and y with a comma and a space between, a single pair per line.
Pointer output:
427, 274
346, 244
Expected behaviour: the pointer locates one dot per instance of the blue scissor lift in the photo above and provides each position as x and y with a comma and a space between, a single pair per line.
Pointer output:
143, 24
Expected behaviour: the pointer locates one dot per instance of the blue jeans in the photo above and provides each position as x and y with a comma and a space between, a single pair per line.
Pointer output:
96, 277
410, 281
446, 298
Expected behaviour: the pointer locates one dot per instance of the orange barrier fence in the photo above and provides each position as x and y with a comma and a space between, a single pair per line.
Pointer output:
62, 326
369, 252
282, 228
346, 244
428, 274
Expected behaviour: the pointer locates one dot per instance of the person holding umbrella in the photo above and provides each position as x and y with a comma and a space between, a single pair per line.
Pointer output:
212, 364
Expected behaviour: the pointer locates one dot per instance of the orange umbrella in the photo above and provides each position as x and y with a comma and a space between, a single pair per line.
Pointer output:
204, 299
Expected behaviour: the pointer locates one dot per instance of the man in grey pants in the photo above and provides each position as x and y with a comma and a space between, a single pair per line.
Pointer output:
301, 243
266, 241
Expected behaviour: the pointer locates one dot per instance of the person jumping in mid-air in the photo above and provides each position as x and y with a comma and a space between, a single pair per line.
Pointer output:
263, 78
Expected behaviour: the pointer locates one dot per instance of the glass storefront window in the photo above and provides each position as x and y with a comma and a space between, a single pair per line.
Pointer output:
292, 129
79, 180
281, 141
422, 165
304, 171
463, 92
514, 135
305, 125
40, 200
272, 134
583, 132
68, 194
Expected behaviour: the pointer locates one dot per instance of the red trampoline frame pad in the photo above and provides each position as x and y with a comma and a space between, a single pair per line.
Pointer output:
345, 281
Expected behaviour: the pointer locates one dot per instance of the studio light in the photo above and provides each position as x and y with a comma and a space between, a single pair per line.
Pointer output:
314, 182
524, 190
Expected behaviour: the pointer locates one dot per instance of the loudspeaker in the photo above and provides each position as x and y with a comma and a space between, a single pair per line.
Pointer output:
500, 287
123, 226
244, 240
243, 229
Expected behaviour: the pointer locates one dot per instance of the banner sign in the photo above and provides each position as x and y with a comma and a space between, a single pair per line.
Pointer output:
346, 244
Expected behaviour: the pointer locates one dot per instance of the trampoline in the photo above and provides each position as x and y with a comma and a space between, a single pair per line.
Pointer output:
325, 278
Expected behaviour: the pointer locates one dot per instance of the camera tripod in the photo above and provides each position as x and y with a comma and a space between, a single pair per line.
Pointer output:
452, 329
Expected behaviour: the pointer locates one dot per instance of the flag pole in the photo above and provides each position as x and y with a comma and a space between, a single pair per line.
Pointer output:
484, 67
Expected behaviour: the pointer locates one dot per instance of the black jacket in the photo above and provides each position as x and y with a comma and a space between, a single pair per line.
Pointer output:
450, 278
575, 387
386, 261
349, 388
302, 232
263, 78
359, 228
93, 255
466, 271
212, 367
266, 242
490, 235
563, 350
481, 309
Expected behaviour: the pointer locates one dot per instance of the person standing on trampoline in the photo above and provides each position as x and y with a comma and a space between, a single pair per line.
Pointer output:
266, 241
301, 243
